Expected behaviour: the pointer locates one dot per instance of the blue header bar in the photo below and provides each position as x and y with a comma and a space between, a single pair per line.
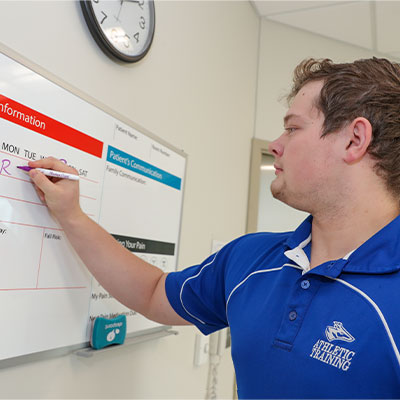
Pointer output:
125, 160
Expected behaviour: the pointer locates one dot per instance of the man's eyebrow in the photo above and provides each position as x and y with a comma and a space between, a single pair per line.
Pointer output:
288, 117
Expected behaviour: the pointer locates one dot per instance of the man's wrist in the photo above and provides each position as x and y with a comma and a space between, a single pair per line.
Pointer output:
72, 220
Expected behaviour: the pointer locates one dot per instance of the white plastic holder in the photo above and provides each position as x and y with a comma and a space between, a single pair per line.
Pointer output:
201, 350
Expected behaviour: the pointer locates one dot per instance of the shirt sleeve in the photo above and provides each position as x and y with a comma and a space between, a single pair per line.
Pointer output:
198, 293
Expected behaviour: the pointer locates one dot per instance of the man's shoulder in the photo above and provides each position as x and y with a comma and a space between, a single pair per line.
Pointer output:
255, 249
263, 240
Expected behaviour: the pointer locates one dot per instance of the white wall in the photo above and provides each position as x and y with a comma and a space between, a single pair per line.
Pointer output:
195, 89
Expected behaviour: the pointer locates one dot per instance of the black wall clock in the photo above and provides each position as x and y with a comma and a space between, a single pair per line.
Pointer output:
123, 29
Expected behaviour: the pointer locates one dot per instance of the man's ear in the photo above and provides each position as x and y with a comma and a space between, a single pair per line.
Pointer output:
358, 137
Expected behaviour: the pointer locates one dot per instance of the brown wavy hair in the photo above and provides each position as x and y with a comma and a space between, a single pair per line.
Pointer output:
368, 88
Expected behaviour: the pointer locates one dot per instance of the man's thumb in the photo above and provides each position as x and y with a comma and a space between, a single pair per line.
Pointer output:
41, 181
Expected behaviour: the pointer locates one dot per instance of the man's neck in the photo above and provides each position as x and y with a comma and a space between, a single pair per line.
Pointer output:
334, 237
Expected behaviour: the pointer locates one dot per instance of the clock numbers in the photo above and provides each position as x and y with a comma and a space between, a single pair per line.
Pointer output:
127, 40
105, 16
142, 22
136, 36
141, 4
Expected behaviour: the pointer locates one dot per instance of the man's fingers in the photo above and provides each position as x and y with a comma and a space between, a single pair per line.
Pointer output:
41, 181
52, 163
40, 194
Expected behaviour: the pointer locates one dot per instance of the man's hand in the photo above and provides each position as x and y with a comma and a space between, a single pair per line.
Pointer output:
60, 195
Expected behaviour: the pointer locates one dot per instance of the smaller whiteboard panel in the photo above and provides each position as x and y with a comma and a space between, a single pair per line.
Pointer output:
130, 182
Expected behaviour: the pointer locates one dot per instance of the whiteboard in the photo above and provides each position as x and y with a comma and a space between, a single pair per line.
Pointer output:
130, 182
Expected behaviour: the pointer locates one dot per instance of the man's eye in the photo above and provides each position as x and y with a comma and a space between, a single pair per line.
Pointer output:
290, 130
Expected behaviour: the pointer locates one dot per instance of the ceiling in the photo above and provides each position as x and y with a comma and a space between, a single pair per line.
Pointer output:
374, 25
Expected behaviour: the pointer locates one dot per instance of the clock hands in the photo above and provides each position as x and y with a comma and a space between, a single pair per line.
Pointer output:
119, 12
129, 1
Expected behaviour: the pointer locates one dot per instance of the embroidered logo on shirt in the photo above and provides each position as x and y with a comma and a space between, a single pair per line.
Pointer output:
337, 332
336, 356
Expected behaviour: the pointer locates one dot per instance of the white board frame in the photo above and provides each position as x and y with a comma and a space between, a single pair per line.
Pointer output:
147, 334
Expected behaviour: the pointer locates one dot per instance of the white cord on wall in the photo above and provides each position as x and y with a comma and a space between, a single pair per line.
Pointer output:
214, 361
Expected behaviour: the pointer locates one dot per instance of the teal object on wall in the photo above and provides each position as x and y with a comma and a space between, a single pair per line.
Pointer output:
107, 332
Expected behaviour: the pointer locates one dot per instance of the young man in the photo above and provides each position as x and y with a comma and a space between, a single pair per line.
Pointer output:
313, 313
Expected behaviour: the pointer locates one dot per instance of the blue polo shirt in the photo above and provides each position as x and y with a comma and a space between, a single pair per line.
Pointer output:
329, 332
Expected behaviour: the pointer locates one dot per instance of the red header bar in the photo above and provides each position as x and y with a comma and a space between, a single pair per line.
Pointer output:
40, 123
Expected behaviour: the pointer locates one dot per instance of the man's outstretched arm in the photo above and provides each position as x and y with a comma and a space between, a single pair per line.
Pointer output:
132, 281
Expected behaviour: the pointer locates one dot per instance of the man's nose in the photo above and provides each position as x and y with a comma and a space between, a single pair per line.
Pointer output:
276, 148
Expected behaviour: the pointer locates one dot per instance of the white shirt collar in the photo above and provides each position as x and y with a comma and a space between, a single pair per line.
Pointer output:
299, 256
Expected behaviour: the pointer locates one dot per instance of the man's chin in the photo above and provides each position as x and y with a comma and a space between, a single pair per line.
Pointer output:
291, 201
279, 193
276, 191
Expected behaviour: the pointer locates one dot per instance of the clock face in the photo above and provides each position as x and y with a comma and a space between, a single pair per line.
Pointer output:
122, 28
